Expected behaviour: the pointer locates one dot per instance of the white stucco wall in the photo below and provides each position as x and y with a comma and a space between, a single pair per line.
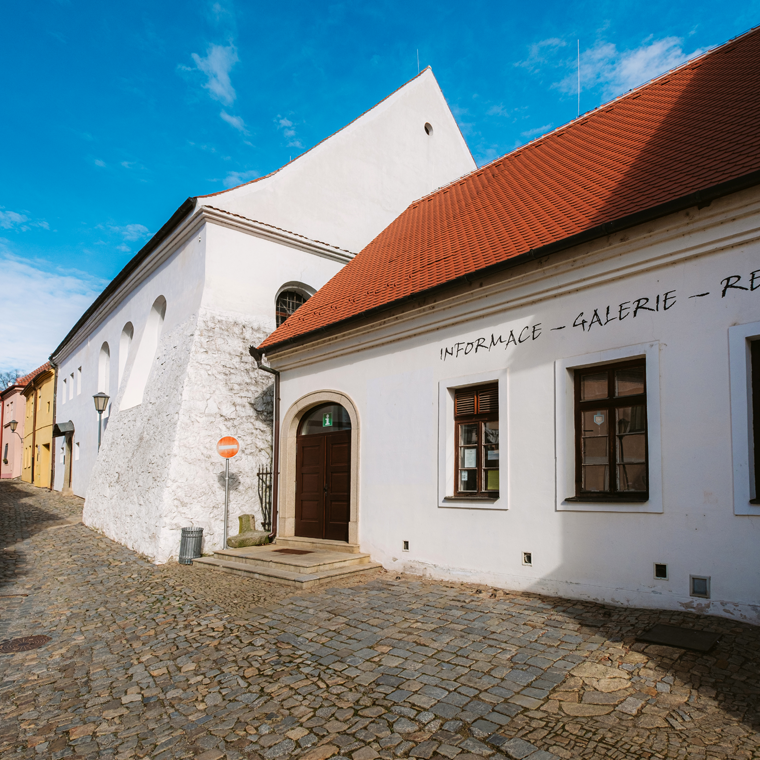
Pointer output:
158, 470
395, 375
180, 281
347, 189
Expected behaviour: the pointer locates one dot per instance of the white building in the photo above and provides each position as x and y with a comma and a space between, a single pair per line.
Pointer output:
167, 339
541, 376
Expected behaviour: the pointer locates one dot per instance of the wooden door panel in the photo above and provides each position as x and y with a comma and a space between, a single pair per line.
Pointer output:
338, 481
340, 452
310, 477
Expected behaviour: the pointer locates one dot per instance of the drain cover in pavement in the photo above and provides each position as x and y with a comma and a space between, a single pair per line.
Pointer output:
683, 638
23, 644
292, 551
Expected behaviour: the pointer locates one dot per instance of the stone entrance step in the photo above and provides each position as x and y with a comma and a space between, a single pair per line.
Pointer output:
321, 545
300, 567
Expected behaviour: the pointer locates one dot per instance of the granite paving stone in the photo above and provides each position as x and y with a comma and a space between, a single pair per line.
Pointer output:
177, 661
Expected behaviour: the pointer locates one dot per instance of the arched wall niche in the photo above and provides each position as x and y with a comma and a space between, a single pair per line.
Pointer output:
104, 368
146, 353
125, 343
286, 518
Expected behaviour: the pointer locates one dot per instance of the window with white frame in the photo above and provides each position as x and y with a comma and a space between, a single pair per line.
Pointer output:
79, 380
65, 389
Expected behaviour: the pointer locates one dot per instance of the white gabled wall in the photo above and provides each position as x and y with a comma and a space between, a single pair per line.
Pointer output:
399, 374
190, 380
350, 187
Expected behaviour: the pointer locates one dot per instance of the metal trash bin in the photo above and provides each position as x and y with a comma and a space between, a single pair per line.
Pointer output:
190, 545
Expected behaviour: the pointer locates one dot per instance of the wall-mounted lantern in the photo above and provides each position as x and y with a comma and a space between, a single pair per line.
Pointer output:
101, 402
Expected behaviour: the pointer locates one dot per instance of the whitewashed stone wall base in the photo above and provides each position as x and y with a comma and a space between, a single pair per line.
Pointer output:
224, 394
158, 470
126, 494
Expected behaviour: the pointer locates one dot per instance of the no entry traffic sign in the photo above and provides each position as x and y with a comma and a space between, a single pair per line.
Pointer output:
227, 447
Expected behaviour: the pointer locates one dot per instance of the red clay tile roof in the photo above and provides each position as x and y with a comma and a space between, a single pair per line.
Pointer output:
694, 128
26, 379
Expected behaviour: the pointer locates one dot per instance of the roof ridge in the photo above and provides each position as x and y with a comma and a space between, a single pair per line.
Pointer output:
324, 139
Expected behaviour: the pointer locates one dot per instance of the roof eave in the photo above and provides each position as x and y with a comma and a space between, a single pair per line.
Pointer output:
700, 198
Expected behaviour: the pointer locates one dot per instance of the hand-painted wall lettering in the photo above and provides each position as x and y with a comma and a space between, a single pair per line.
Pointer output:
601, 316
514, 338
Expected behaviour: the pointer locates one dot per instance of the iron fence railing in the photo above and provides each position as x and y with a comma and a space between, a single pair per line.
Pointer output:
265, 496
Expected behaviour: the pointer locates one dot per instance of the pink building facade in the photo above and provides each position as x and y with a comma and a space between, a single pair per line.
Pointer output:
12, 442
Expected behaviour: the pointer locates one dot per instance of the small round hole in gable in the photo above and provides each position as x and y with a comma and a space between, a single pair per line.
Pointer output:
428, 128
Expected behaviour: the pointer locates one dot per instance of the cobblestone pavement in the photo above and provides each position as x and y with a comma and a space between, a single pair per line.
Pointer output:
175, 662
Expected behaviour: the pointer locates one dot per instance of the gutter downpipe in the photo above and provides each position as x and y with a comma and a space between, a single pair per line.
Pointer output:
257, 357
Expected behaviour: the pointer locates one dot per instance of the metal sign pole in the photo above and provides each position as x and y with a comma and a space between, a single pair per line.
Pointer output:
226, 497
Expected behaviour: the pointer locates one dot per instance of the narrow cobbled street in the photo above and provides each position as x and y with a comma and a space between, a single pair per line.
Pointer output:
174, 661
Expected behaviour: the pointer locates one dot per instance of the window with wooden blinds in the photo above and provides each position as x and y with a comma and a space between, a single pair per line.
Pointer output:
476, 411
479, 400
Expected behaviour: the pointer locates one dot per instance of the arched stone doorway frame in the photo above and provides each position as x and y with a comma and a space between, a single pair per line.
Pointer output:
289, 433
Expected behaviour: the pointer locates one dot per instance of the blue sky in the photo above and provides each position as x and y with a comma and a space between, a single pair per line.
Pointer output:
114, 113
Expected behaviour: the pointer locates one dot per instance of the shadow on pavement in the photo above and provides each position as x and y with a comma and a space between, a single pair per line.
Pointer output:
21, 517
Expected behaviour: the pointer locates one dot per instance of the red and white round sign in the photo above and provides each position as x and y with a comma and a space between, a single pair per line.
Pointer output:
227, 447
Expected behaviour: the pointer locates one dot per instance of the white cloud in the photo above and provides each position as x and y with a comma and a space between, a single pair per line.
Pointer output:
537, 131
217, 65
131, 231
10, 220
238, 178
497, 110
123, 247
616, 71
234, 121
285, 125
59, 296
540, 53
100, 163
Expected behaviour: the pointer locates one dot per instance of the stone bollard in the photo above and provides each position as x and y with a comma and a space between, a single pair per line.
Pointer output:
248, 535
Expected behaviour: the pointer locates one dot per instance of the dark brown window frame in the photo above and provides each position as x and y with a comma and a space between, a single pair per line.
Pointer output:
754, 358
610, 404
479, 418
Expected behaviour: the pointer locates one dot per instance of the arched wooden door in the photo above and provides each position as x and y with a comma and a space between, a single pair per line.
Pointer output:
323, 474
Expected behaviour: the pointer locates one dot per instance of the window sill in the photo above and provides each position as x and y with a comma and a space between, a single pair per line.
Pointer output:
609, 499
487, 499
473, 502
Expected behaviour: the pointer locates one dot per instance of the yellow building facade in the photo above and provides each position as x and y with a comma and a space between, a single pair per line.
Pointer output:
38, 427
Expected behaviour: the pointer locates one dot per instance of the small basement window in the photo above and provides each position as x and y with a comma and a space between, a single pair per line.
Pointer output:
699, 585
